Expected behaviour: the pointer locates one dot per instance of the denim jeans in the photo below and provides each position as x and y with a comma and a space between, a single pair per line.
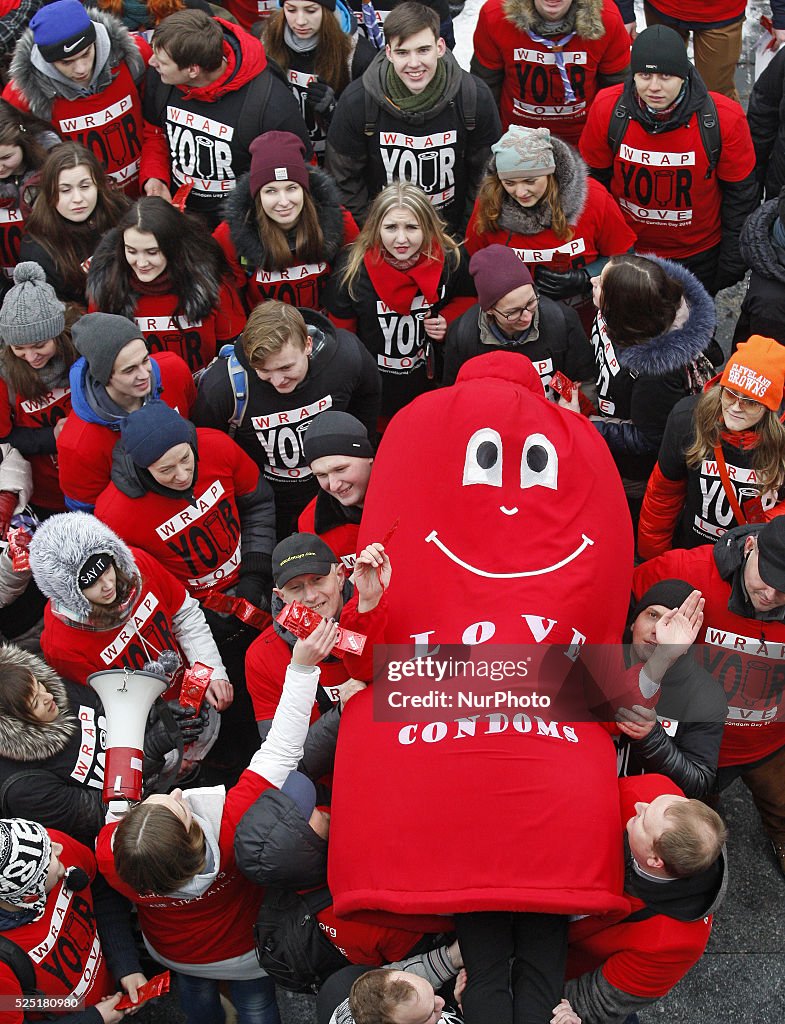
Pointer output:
254, 1000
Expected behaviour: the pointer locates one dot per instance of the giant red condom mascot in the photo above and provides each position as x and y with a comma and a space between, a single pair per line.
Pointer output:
512, 529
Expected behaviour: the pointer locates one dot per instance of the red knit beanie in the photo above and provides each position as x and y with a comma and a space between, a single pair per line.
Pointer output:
497, 271
277, 156
757, 370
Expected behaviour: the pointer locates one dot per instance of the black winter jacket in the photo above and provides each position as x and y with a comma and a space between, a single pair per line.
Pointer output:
636, 397
763, 308
766, 118
685, 741
561, 345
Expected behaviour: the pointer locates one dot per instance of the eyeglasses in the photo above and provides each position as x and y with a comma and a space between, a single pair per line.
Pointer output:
731, 398
516, 314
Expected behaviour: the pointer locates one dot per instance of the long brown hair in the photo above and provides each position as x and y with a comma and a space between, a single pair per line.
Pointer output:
768, 455
157, 9
490, 201
67, 243
331, 56
308, 236
402, 194
153, 851
105, 615
23, 379
24, 130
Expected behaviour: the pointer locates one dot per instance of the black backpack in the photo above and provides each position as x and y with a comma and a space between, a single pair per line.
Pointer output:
708, 125
290, 945
21, 965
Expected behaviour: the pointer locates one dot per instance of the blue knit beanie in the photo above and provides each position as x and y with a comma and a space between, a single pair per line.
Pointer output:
152, 430
62, 30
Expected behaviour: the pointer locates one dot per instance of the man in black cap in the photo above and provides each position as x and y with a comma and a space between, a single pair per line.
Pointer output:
340, 456
742, 579
306, 570
681, 737
678, 159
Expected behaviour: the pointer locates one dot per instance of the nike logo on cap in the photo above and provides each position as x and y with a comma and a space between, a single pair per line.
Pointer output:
73, 46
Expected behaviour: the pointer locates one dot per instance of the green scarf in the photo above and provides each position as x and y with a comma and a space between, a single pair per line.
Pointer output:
411, 102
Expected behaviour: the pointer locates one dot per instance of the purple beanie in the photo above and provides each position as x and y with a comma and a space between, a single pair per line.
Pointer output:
277, 156
497, 271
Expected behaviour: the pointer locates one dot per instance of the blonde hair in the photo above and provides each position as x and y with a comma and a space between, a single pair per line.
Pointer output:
768, 455
436, 243
270, 326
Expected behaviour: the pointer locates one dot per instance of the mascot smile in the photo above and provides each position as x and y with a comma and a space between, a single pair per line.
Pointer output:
513, 530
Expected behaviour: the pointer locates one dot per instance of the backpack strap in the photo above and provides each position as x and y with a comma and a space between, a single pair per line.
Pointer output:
617, 126
371, 113
469, 101
711, 137
238, 380
317, 901
708, 125
20, 963
256, 99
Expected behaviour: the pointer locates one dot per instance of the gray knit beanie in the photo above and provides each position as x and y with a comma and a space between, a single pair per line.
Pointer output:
524, 153
100, 337
31, 311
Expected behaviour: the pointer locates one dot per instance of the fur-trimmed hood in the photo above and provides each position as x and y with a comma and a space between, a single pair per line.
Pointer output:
41, 90
35, 741
755, 244
588, 17
59, 549
572, 178
241, 218
197, 304
681, 344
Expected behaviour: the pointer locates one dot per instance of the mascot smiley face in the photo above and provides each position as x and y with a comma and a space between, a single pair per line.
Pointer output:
512, 529
512, 517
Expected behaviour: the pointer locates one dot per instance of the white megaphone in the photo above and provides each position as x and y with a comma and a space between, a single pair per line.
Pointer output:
127, 696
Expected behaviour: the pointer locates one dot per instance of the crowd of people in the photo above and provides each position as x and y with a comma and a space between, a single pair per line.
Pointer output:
239, 245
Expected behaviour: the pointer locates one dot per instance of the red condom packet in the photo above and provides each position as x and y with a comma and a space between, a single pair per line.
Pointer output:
156, 986
562, 385
303, 621
194, 685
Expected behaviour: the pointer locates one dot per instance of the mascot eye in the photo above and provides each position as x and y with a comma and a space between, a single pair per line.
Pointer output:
483, 463
539, 463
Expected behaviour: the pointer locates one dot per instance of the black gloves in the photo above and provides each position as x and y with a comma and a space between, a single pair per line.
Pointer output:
558, 285
190, 724
255, 587
321, 99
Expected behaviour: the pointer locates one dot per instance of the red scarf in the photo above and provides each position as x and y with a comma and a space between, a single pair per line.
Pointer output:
397, 288
745, 440
160, 285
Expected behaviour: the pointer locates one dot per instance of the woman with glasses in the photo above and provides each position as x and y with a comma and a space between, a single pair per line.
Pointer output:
722, 459
397, 287
538, 199
510, 315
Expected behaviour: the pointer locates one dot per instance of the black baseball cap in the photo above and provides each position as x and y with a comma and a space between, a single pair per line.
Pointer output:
300, 554
771, 554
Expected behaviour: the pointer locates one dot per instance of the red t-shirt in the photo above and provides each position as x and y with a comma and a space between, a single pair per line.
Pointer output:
74, 653
533, 90
342, 540
199, 542
660, 180
84, 450
217, 925
644, 958
699, 10
64, 944
744, 655
600, 230
38, 412
299, 285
